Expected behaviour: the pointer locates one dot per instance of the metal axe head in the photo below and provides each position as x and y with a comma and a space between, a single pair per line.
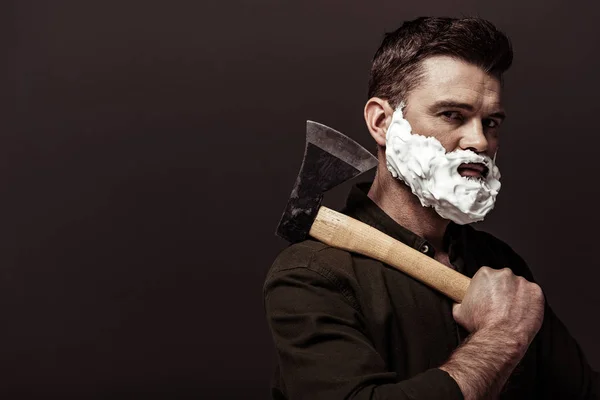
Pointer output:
330, 158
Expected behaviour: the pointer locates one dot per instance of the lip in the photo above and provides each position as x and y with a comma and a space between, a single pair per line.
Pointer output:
473, 170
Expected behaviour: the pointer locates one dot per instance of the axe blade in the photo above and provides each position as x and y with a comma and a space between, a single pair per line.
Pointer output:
330, 158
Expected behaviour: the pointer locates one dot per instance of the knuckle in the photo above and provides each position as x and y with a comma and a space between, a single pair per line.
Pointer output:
502, 275
536, 290
485, 271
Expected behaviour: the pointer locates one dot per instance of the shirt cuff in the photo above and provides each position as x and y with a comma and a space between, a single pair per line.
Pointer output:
433, 384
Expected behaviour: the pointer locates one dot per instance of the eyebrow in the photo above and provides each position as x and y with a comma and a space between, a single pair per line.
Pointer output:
465, 106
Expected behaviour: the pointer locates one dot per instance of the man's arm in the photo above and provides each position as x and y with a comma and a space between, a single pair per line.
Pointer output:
482, 364
323, 349
325, 353
503, 312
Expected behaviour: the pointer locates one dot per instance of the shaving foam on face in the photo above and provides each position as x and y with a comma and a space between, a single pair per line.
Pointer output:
432, 173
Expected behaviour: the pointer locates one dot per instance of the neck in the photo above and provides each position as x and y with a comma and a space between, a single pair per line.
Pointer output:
395, 198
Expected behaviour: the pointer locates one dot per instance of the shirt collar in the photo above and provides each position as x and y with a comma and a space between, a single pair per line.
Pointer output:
361, 207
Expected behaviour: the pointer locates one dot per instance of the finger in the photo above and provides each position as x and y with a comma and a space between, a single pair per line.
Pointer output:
455, 309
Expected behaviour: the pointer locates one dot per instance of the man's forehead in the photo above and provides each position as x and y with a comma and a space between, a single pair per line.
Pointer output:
447, 79
448, 70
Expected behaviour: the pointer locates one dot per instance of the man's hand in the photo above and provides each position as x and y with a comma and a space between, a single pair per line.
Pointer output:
498, 300
503, 312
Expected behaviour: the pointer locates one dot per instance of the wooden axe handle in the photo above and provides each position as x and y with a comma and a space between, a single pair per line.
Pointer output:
338, 230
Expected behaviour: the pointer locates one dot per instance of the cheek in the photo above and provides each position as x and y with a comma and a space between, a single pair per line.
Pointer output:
493, 143
440, 132
449, 141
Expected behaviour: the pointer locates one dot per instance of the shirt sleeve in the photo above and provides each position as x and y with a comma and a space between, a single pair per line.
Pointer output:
323, 350
564, 370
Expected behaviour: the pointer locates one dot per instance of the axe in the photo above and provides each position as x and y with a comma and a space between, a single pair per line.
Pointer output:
331, 158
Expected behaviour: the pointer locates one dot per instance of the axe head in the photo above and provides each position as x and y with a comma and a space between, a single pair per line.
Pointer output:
330, 158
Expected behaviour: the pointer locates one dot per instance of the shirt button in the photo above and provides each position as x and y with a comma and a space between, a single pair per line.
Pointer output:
424, 248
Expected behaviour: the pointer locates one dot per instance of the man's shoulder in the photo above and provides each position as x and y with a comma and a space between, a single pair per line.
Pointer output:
317, 265
495, 252
488, 241
313, 255
484, 238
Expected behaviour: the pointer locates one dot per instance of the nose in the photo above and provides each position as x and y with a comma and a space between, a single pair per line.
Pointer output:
473, 137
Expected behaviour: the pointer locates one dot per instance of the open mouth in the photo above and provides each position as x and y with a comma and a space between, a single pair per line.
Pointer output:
473, 170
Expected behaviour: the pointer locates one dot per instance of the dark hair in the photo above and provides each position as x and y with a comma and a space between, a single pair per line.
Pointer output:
396, 67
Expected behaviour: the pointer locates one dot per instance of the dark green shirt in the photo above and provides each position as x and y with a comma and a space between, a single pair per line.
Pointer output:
349, 327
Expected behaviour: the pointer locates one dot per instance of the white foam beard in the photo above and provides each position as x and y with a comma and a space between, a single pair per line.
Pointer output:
432, 173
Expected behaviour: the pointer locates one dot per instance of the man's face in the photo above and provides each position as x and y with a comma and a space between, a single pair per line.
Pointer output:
459, 104
442, 144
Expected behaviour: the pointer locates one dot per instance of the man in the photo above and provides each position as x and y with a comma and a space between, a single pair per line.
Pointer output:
349, 327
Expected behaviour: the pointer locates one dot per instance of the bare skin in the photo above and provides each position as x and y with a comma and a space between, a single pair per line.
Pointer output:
503, 312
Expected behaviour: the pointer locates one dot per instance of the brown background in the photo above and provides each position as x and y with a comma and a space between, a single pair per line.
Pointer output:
149, 147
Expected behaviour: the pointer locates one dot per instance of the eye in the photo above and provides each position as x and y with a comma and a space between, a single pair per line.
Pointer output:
452, 115
490, 123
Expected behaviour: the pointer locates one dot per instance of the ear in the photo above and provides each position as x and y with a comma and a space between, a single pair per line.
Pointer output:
378, 115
